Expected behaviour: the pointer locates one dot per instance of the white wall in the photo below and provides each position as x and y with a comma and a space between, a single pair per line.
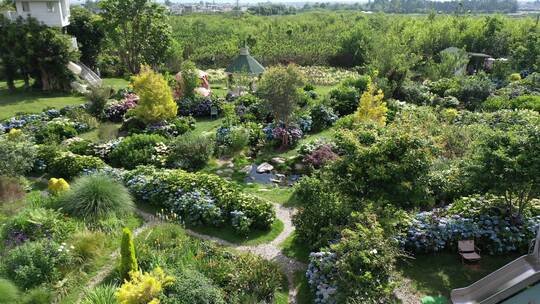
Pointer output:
40, 11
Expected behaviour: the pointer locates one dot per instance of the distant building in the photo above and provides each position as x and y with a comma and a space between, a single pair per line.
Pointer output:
53, 13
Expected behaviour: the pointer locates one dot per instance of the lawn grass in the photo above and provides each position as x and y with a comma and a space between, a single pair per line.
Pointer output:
105, 132
206, 125
438, 274
279, 195
33, 101
304, 295
292, 248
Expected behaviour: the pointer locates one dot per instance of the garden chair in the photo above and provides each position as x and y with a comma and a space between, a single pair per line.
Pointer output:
213, 112
468, 251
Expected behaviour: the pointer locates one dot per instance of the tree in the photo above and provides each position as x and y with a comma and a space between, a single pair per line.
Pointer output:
507, 163
88, 30
155, 97
190, 79
372, 108
128, 262
140, 31
280, 87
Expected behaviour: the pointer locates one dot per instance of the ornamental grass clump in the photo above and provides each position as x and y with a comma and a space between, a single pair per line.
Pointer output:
95, 197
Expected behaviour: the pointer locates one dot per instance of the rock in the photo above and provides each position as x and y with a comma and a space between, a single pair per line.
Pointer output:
274, 180
246, 169
264, 168
298, 167
219, 172
230, 165
280, 176
278, 160
228, 171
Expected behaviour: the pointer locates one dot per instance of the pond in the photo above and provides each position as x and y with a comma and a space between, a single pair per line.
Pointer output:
271, 177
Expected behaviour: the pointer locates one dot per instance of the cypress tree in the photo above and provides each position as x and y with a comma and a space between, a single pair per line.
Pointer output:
128, 261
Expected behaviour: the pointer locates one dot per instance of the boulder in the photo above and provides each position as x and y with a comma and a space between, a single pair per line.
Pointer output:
278, 160
246, 169
264, 168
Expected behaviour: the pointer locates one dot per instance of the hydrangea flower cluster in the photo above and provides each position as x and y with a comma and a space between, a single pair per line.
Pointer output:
102, 150
21, 121
115, 111
276, 133
305, 122
320, 274
199, 198
435, 230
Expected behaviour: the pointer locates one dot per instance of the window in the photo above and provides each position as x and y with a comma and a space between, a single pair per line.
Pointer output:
50, 7
25, 6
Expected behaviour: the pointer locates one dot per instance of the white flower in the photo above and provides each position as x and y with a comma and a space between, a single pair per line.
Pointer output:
373, 251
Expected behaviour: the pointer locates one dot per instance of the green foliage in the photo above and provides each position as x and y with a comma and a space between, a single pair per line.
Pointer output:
9, 293
39, 295
36, 51
95, 197
190, 79
143, 287
192, 287
87, 245
128, 261
90, 33
530, 102
506, 163
155, 97
55, 132
35, 263
97, 100
365, 262
139, 31
68, 165
35, 224
190, 152
472, 90
138, 149
280, 88
102, 294
372, 108
451, 63
16, 156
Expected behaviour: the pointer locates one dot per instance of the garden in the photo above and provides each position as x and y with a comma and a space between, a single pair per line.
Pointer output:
347, 175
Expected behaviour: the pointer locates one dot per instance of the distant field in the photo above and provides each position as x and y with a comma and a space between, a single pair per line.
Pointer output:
22, 101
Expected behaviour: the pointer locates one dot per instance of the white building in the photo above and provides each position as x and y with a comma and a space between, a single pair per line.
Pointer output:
53, 13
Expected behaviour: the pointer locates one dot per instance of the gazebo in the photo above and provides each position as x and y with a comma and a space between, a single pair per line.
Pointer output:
244, 65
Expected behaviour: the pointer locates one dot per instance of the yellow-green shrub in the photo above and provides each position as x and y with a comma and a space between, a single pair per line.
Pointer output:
156, 102
57, 186
144, 288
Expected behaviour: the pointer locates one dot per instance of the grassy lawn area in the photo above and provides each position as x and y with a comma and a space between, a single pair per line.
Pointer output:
206, 125
294, 249
438, 274
255, 237
22, 101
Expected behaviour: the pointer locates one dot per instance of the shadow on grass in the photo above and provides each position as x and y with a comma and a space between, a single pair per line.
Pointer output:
438, 274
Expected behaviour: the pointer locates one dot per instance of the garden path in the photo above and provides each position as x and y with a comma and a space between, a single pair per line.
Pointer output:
269, 251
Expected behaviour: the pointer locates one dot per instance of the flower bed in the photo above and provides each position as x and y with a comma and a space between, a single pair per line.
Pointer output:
320, 75
439, 229
200, 198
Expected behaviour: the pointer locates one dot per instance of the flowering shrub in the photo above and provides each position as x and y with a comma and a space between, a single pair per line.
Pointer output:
57, 130
16, 156
215, 200
115, 111
323, 117
231, 139
305, 123
69, 165
320, 155
139, 149
35, 263
172, 128
491, 227
357, 269
21, 121
293, 133
196, 106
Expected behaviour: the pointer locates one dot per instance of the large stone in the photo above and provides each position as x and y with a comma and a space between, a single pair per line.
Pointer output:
278, 160
246, 169
264, 168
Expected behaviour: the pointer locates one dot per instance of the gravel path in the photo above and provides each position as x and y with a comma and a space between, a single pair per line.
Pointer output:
269, 251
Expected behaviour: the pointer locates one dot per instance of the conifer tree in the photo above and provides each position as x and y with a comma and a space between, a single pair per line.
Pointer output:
128, 261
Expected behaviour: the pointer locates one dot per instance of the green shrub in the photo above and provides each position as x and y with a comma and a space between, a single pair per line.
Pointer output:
190, 152
69, 165
81, 147
531, 102
128, 261
360, 83
35, 263
192, 287
472, 90
103, 294
79, 115
9, 293
39, 295
11, 189
55, 132
344, 100
16, 156
97, 99
135, 150
34, 224
155, 97
95, 197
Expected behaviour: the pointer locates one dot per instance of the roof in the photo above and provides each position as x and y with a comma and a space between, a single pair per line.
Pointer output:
245, 63
478, 55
